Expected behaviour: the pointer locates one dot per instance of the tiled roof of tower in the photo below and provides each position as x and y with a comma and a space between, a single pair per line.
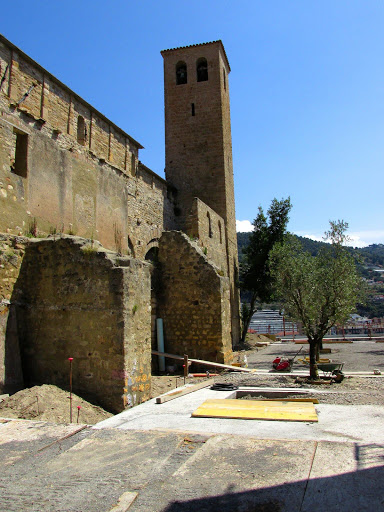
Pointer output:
200, 44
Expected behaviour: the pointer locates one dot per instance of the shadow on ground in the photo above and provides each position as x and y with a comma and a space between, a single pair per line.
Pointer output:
361, 490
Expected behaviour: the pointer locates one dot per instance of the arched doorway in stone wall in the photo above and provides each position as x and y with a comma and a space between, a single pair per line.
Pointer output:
151, 255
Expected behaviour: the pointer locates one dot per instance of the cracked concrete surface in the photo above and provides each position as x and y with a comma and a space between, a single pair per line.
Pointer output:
166, 471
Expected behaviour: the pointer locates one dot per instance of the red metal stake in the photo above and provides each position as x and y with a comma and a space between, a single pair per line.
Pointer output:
70, 359
185, 365
78, 413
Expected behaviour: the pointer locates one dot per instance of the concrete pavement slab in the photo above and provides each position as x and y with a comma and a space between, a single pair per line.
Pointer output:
348, 474
179, 472
91, 475
19, 438
230, 473
362, 423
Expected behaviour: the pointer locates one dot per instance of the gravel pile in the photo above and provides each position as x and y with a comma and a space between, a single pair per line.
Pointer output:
351, 391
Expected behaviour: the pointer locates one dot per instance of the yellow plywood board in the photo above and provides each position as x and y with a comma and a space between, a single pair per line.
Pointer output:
256, 410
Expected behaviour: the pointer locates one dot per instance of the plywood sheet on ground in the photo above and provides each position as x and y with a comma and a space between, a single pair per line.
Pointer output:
256, 410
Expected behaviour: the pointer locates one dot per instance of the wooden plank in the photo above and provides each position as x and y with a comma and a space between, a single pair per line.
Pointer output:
201, 361
313, 400
256, 410
124, 502
175, 394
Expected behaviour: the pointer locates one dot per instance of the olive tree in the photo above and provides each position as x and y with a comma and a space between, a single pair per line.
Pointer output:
255, 277
319, 291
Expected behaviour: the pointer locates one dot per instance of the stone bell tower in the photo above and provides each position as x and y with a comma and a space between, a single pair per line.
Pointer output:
198, 143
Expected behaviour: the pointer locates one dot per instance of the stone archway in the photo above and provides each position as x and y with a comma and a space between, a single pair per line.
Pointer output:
151, 255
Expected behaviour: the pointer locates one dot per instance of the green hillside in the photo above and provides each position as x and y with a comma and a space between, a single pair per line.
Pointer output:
369, 261
373, 255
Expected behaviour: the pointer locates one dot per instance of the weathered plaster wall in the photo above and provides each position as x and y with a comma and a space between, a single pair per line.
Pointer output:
204, 225
92, 186
75, 299
193, 300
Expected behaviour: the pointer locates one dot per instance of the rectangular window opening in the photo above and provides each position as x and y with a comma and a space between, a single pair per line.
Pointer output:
133, 165
20, 166
193, 109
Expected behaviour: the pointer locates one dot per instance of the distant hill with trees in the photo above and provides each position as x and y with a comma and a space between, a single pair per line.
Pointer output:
369, 260
373, 255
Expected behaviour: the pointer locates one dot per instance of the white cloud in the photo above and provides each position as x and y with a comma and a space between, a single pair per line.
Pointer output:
365, 238
244, 226
356, 241
357, 238
316, 238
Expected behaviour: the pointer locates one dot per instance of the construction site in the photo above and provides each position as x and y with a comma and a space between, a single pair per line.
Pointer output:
123, 386
249, 440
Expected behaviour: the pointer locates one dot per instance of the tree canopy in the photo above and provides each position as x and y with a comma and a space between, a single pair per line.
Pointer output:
318, 291
254, 268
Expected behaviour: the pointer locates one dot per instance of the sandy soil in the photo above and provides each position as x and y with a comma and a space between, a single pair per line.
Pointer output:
50, 403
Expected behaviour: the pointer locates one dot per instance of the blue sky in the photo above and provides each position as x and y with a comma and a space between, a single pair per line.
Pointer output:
307, 90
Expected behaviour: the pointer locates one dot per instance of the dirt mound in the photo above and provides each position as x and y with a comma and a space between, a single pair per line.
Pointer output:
50, 403
253, 339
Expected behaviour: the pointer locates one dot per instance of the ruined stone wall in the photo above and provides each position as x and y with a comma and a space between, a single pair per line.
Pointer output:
75, 299
79, 173
193, 300
208, 229
11, 255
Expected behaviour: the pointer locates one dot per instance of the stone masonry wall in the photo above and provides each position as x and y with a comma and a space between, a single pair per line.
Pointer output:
11, 256
208, 228
89, 183
193, 300
75, 299
194, 136
66, 168
198, 145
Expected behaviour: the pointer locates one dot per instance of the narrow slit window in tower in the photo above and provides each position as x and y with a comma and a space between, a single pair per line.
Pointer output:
81, 130
221, 238
20, 164
224, 80
209, 225
193, 109
202, 70
133, 165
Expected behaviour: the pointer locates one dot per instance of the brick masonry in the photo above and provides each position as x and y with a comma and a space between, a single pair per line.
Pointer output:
198, 144
65, 169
